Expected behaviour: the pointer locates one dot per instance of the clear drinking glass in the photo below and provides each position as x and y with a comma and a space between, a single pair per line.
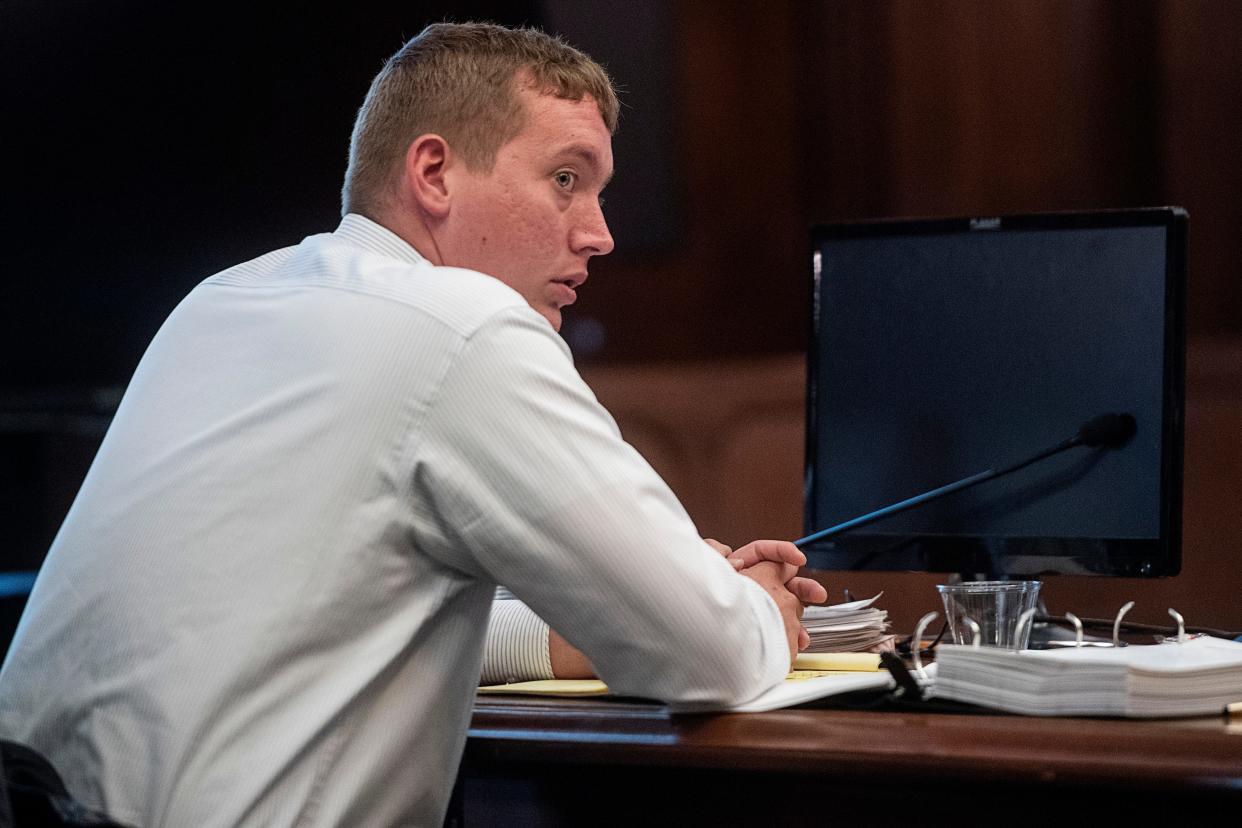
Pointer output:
994, 605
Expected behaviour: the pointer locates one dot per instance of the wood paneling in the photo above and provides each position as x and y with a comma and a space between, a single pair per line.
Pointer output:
794, 112
855, 109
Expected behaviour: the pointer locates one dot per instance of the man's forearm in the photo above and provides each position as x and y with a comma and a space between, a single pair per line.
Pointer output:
567, 661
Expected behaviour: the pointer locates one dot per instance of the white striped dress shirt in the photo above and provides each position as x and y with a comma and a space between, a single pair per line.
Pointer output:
516, 646
267, 604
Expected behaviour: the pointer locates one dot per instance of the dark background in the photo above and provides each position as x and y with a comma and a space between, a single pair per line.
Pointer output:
148, 144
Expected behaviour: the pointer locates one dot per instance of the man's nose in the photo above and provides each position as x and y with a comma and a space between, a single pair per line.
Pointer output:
591, 236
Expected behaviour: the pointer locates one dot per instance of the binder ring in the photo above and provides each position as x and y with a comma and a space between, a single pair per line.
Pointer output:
1117, 623
975, 637
917, 642
1073, 619
1181, 625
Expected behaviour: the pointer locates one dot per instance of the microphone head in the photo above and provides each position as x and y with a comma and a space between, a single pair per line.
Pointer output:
1108, 431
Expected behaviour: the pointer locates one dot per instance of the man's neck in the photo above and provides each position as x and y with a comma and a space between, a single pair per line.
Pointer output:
411, 229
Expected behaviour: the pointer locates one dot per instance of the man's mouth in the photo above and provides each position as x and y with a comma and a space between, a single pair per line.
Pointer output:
568, 287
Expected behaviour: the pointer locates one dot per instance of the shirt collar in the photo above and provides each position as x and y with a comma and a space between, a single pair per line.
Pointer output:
377, 238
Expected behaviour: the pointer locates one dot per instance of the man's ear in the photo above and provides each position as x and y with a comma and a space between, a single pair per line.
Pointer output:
426, 166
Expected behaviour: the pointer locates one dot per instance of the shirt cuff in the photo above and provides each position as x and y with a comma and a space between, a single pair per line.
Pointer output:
516, 647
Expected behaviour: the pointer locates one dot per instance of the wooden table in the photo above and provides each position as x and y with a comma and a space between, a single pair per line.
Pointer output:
590, 762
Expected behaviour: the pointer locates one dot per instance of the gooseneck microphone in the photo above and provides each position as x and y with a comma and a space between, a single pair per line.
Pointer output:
1107, 431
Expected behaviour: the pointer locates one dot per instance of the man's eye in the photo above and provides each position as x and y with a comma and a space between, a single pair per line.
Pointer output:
565, 179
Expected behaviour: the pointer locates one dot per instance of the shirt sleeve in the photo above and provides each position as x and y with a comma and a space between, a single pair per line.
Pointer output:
516, 647
523, 478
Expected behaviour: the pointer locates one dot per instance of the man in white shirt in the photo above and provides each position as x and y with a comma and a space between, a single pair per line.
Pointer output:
266, 605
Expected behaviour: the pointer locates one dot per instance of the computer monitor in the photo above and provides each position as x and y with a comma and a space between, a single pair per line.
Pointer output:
945, 347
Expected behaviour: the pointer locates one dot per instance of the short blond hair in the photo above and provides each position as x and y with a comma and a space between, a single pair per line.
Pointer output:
459, 81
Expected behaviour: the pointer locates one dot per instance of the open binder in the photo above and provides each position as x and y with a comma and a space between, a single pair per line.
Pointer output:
1183, 676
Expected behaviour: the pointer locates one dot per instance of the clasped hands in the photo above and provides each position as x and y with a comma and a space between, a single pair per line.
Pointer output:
774, 566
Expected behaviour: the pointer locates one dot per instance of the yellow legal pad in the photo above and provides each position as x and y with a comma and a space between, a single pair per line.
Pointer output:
838, 662
550, 687
806, 666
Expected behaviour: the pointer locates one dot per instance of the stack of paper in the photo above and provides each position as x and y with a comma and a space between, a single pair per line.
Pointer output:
815, 676
1197, 677
847, 628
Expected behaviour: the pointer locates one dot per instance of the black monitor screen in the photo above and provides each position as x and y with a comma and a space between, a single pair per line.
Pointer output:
945, 348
